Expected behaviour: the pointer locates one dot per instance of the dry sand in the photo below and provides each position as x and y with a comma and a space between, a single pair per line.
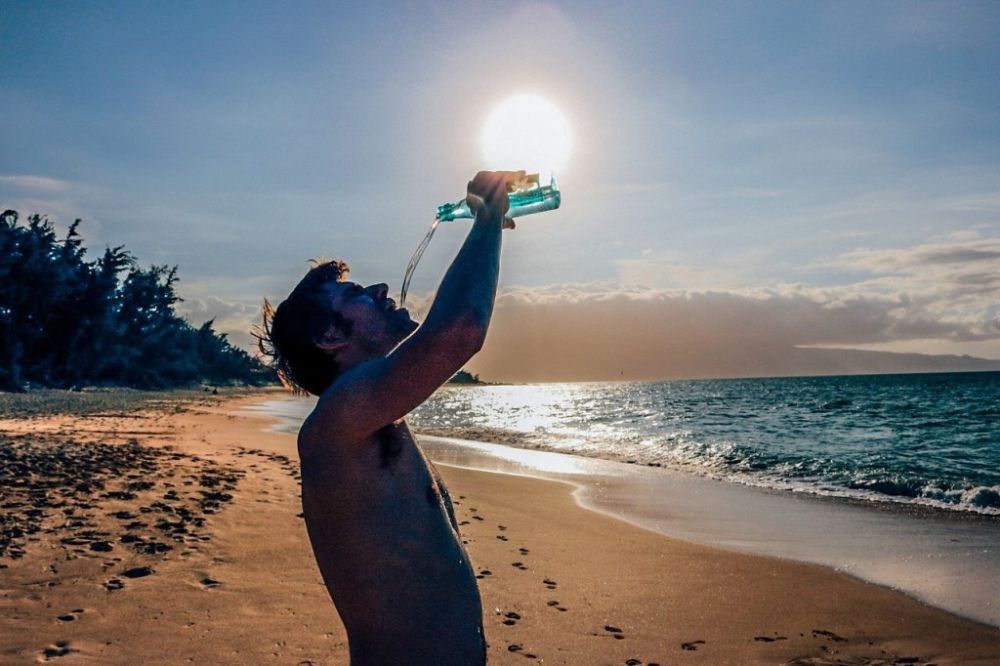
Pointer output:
136, 553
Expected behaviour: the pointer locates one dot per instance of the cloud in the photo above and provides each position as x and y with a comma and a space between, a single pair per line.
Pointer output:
932, 294
936, 297
956, 280
234, 318
594, 332
958, 253
35, 183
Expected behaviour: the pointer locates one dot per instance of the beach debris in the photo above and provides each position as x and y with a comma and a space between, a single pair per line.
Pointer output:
828, 634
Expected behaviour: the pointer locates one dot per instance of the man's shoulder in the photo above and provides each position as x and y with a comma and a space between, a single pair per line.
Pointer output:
325, 433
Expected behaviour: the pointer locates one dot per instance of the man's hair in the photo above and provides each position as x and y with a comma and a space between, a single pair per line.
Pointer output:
289, 332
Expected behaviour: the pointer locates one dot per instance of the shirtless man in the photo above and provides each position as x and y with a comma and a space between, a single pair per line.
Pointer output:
380, 520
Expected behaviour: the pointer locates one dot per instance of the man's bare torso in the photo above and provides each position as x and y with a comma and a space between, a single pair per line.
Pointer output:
385, 537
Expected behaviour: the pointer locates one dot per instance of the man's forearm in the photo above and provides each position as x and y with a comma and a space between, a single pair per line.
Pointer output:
468, 290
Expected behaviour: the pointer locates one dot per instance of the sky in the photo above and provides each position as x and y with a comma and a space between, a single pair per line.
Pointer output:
746, 179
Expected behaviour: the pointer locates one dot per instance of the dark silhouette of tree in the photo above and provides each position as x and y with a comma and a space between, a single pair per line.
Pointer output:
67, 322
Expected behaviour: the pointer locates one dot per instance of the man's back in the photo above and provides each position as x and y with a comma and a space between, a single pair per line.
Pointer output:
385, 540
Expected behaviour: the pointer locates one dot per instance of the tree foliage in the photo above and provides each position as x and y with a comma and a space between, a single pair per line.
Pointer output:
66, 322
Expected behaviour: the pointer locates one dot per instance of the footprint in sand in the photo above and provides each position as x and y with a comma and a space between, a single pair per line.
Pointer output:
113, 584
210, 582
555, 604
551, 584
501, 537
57, 649
614, 631
523, 551
692, 645
519, 565
769, 639
138, 572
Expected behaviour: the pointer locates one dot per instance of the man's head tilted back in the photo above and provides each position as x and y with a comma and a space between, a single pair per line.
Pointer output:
327, 325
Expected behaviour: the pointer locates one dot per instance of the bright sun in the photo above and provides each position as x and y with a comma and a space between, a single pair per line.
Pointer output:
526, 132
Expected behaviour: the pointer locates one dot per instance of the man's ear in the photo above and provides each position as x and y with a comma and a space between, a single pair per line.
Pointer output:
332, 341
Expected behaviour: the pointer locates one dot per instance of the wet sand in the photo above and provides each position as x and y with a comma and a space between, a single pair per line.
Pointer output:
173, 535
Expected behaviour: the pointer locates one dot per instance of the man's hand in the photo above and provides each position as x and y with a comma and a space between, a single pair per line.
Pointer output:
486, 194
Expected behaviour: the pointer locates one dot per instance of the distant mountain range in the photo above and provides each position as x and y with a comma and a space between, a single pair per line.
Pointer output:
818, 361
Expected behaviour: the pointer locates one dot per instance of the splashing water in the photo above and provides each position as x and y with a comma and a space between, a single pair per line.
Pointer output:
415, 259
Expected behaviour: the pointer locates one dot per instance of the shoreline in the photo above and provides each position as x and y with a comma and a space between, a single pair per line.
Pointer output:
560, 583
949, 559
289, 421
948, 564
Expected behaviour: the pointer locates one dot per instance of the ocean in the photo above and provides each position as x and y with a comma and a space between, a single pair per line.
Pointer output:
931, 439
836, 471
928, 439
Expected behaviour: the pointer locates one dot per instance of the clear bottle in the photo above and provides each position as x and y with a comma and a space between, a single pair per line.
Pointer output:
527, 199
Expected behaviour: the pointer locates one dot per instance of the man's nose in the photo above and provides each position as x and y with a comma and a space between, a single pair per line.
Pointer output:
378, 291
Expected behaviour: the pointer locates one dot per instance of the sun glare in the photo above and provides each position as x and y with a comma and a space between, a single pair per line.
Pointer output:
526, 132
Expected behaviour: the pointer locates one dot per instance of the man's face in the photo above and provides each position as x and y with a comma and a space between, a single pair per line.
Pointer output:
371, 322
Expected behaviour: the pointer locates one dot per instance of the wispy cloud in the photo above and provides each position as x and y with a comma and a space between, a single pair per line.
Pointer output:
35, 183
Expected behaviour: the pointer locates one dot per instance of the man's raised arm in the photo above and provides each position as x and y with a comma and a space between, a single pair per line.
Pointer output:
378, 392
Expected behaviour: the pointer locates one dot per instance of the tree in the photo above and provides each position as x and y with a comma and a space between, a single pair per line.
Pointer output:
66, 322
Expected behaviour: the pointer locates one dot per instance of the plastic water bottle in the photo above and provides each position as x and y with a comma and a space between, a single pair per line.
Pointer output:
527, 199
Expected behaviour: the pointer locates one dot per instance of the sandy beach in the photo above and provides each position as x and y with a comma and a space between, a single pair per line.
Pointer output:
172, 534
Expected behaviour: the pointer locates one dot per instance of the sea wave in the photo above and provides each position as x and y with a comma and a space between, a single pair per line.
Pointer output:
728, 462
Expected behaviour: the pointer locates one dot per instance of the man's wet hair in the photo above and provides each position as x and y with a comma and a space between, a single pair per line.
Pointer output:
290, 331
